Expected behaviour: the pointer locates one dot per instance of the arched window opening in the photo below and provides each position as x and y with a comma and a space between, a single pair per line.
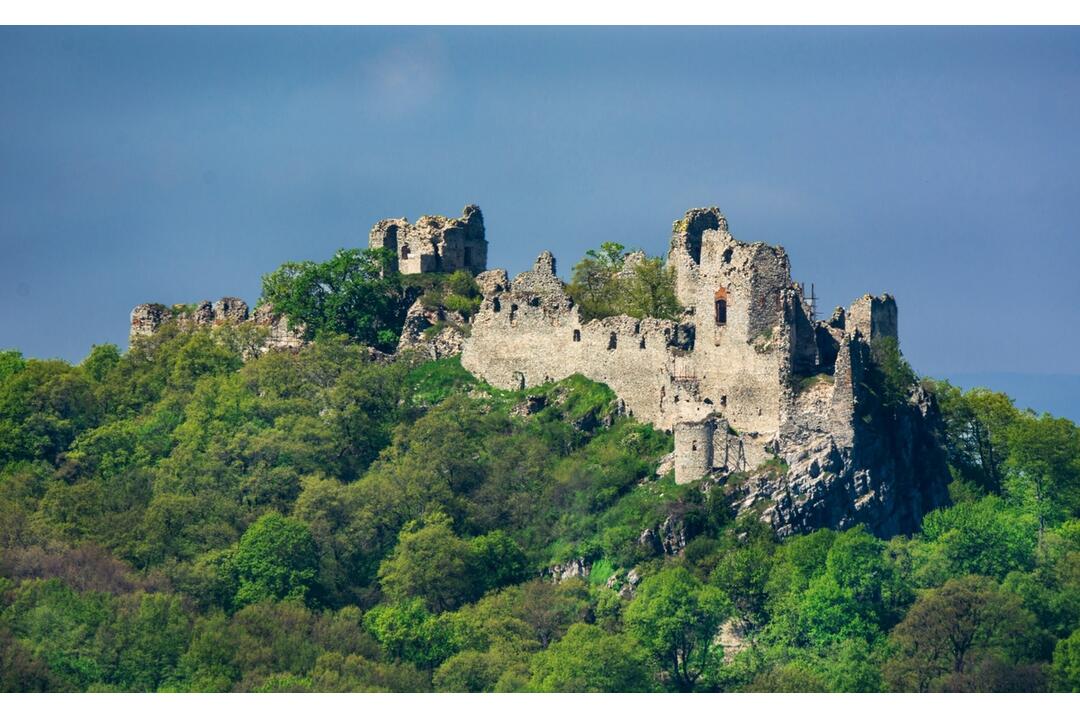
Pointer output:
720, 306
405, 251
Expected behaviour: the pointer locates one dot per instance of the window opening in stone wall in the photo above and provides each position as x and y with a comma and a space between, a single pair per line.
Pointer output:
405, 251
720, 306
693, 445
641, 344
612, 342
496, 305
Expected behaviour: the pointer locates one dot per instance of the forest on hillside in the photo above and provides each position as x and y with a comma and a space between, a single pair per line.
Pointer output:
177, 518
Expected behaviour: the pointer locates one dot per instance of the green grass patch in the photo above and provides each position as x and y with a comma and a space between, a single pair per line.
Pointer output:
432, 382
805, 383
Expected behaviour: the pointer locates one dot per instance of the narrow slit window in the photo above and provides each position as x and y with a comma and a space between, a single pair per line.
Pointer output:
612, 342
577, 336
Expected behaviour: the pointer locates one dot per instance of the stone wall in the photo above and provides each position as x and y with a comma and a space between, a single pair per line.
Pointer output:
528, 332
873, 317
279, 334
745, 376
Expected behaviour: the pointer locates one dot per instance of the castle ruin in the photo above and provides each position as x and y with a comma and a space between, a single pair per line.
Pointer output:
759, 394
746, 377
434, 243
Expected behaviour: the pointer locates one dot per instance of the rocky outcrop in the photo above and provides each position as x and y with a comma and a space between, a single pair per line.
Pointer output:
432, 332
669, 537
573, 568
888, 474
625, 584
147, 318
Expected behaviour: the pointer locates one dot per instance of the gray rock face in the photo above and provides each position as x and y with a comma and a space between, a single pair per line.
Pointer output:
433, 332
147, 318
668, 538
574, 568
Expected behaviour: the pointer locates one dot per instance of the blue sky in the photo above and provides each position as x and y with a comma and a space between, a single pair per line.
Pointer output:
176, 164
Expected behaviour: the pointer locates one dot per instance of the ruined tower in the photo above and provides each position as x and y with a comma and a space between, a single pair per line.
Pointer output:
434, 243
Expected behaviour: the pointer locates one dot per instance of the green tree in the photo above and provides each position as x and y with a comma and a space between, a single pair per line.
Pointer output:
407, 631
495, 561
355, 293
101, 360
1044, 464
610, 281
954, 634
986, 537
650, 291
675, 617
587, 659
429, 562
891, 376
976, 433
275, 559
1065, 672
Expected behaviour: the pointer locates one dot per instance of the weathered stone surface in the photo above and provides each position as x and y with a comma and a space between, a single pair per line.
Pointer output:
282, 334
147, 319
432, 332
434, 243
624, 584
747, 376
668, 538
872, 317
574, 568
230, 310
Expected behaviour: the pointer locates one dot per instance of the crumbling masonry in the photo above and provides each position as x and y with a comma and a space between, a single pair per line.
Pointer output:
747, 379
761, 397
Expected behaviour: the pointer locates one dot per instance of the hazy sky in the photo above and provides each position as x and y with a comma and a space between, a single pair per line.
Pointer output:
175, 164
